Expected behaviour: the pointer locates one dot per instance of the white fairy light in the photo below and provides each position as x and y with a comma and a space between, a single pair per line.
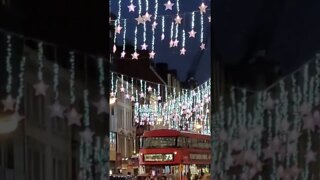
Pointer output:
124, 38
139, 3
40, 61
201, 35
178, 6
183, 38
135, 39
171, 35
101, 76
56, 79
192, 21
72, 76
8, 64
21, 83
162, 28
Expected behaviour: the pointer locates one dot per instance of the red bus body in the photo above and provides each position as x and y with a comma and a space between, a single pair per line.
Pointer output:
182, 156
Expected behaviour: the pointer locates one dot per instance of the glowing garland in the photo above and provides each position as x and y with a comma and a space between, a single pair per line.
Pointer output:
8, 64
21, 83
162, 28
124, 39
72, 77
171, 35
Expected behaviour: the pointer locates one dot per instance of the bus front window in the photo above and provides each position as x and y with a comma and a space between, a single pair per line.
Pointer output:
159, 142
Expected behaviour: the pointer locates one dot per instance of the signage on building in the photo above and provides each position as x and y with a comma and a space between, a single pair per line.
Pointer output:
158, 157
200, 156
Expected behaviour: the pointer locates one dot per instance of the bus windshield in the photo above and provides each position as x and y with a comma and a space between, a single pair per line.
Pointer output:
159, 142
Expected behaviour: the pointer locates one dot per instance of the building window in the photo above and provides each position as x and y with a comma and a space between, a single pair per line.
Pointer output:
113, 141
10, 155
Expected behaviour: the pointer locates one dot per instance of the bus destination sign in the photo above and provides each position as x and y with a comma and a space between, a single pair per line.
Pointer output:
158, 157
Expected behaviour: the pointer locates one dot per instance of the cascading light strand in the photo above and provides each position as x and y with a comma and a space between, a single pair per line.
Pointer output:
40, 62
101, 76
56, 80
202, 46
171, 35
72, 76
162, 28
135, 54
183, 50
21, 83
123, 53
192, 33
8, 64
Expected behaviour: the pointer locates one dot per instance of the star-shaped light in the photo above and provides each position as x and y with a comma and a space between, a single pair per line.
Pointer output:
147, 17
86, 135
10, 123
209, 18
203, 8
154, 25
122, 89
159, 98
73, 117
151, 54
162, 36
192, 33
8, 103
118, 29
203, 46
169, 5
140, 20
114, 49
183, 51
171, 43
56, 110
310, 156
131, 7
135, 55
123, 54
144, 46
132, 98
175, 43
178, 19
102, 105
141, 95
149, 89
40, 88
127, 96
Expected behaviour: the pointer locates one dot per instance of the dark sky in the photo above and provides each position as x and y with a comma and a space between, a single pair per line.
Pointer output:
163, 52
287, 29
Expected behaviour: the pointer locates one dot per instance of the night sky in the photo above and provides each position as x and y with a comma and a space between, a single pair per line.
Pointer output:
163, 52
288, 31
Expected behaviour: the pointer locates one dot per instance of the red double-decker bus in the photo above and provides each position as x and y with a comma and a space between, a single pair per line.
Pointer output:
174, 154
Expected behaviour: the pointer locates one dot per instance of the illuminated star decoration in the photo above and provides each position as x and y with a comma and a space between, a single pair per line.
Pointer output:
140, 20
151, 55
86, 135
203, 46
178, 19
169, 5
144, 46
192, 33
73, 117
203, 8
131, 7
40, 88
123, 54
132, 98
171, 43
114, 48
118, 29
122, 89
175, 43
102, 105
56, 110
209, 18
310, 156
8, 103
154, 25
147, 17
183, 51
162, 36
135, 55
127, 96
149, 89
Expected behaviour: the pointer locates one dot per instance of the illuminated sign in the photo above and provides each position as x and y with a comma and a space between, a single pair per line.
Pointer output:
158, 157
200, 156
